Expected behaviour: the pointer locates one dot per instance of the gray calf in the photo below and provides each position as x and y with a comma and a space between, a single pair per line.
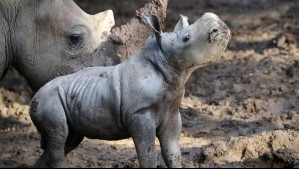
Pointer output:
139, 98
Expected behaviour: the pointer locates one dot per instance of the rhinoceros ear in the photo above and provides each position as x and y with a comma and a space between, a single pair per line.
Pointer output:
153, 21
183, 23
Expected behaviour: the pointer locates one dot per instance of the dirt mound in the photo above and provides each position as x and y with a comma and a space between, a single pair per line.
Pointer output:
269, 149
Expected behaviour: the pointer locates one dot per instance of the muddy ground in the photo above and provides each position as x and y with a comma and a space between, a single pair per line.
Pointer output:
242, 111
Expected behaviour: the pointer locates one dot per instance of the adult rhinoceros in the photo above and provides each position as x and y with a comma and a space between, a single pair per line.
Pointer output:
44, 39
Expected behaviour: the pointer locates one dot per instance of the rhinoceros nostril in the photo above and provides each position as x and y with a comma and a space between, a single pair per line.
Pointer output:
215, 30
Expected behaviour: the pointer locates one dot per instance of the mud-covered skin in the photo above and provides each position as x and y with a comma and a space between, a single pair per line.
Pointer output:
44, 39
139, 98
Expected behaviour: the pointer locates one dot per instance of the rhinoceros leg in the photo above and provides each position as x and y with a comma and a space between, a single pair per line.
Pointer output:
169, 141
50, 121
53, 155
143, 131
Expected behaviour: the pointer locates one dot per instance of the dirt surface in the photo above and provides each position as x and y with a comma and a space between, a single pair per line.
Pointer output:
242, 111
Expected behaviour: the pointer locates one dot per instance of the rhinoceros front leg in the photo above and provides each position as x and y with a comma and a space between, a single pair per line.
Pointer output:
143, 131
169, 141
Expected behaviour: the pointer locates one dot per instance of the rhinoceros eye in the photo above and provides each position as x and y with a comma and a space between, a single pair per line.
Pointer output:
76, 37
186, 37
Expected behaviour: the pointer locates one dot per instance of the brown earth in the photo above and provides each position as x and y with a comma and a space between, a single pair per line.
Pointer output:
242, 111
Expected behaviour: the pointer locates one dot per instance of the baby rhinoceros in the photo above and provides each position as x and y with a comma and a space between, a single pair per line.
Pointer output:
138, 98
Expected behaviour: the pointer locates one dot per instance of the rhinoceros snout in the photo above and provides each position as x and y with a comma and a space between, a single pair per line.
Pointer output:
209, 15
219, 32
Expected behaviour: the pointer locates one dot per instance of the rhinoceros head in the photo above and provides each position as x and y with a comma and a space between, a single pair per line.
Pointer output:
191, 46
52, 38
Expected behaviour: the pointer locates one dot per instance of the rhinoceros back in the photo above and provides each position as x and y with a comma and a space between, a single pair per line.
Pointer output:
92, 103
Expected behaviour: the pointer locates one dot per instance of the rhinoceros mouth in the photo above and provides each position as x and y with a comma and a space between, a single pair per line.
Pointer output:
219, 32
219, 37
213, 58
216, 35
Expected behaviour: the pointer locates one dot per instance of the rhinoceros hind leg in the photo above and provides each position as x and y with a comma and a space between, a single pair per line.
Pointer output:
54, 132
53, 155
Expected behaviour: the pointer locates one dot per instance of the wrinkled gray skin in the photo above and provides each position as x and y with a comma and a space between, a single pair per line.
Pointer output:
139, 98
43, 39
